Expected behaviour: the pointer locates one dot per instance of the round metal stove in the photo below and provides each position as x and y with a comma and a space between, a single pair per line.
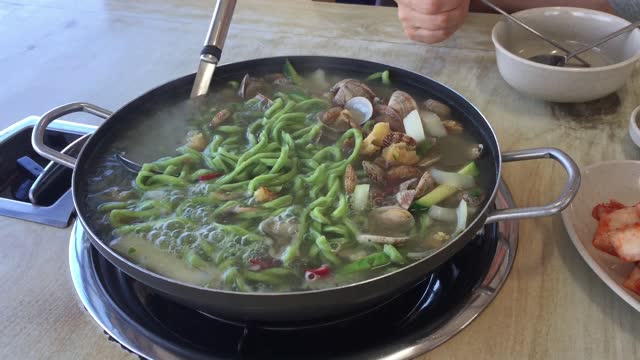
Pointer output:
412, 323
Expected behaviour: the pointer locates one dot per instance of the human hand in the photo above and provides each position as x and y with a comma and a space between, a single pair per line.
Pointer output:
431, 21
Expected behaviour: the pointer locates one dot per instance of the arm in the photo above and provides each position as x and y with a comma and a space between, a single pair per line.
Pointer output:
433, 21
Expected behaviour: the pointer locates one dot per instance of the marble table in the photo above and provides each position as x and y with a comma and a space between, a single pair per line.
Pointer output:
110, 51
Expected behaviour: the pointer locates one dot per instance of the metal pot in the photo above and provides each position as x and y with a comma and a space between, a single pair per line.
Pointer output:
312, 304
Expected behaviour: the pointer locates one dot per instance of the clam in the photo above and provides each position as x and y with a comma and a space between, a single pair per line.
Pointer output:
408, 184
361, 109
425, 184
384, 113
390, 220
380, 161
379, 239
402, 103
398, 137
279, 229
347, 89
453, 127
437, 107
196, 141
374, 172
220, 117
402, 172
350, 179
249, 87
337, 119
405, 198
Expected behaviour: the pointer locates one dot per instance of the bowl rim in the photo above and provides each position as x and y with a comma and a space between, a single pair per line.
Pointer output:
617, 65
634, 129
568, 217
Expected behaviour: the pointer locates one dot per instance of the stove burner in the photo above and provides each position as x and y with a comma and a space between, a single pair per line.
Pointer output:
410, 324
27, 190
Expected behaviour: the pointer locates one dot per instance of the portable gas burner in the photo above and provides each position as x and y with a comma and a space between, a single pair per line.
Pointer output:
32, 188
410, 324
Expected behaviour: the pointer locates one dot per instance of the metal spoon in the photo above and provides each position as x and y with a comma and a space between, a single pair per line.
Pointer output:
212, 50
563, 60
209, 58
128, 164
533, 31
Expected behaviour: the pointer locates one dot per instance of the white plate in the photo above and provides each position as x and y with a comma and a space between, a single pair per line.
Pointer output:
601, 182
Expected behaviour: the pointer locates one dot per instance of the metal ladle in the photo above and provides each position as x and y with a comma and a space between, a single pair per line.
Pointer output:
533, 31
209, 58
562, 60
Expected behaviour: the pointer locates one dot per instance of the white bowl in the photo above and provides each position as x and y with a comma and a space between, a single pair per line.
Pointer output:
634, 130
598, 186
572, 27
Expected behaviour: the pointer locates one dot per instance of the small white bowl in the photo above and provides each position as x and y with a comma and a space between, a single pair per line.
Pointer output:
598, 186
572, 27
634, 130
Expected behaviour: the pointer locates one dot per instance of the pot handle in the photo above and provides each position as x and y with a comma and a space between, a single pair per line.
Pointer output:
569, 192
39, 130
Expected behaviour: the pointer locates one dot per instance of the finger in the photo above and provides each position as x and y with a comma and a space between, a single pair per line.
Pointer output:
432, 6
428, 36
445, 20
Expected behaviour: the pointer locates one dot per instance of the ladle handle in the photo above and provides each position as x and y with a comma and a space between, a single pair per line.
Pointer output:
212, 50
531, 30
604, 39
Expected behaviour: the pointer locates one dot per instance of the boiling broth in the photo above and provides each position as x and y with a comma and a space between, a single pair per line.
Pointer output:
264, 199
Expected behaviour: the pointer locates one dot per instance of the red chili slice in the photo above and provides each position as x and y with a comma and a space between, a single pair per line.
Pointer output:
320, 272
210, 176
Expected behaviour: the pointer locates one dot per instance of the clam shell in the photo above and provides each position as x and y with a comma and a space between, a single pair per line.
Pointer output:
402, 103
347, 89
437, 107
390, 220
398, 137
350, 179
375, 173
425, 184
361, 108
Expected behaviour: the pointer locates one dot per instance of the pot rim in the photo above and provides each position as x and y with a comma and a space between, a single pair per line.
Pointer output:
478, 220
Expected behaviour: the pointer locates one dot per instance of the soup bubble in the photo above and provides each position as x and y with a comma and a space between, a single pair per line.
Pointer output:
162, 242
187, 239
153, 235
173, 225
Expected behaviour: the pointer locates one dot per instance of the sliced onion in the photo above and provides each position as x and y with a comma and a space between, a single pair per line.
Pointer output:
442, 214
452, 179
360, 197
461, 214
413, 127
433, 125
